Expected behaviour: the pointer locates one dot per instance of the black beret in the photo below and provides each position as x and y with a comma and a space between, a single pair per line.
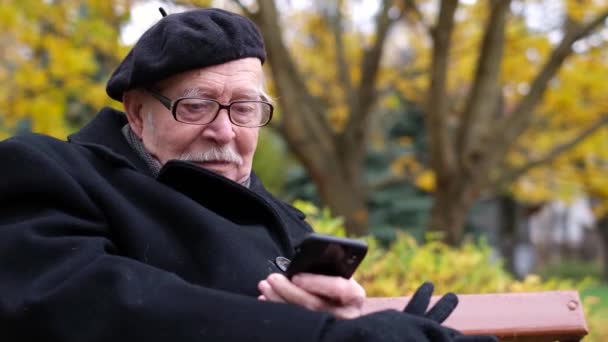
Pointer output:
185, 41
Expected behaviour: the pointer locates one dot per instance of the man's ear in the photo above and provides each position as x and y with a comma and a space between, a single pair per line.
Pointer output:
132, 103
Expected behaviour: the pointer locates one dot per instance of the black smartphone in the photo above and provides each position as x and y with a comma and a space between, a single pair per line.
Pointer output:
328, 255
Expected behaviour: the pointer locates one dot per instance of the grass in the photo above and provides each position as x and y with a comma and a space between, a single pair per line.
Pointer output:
596, 313
571, 269
598, 295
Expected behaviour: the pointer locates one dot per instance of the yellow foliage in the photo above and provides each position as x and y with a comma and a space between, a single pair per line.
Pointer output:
426, 180
315, 87
582, 10
405, 164
575, 99
56, 54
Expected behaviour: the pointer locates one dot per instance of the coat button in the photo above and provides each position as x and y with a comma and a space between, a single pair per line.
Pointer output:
282, 263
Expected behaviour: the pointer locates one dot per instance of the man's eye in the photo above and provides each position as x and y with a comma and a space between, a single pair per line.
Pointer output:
244, 108
198, 106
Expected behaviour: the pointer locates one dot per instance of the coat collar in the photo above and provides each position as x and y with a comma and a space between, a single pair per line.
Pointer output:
103, 135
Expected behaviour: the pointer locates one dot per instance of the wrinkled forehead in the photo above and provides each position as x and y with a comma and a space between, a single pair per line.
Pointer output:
243, 76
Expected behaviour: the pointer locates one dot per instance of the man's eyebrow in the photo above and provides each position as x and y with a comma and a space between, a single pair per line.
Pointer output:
210, 93
248, 94
198, 92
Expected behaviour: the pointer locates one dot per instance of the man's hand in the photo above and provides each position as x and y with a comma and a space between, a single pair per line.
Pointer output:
419, 304
342, 297
417, 322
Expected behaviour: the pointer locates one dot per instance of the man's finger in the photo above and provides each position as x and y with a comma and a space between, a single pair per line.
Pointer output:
293, 294
269, 293
443, 308
337, 289
420, 300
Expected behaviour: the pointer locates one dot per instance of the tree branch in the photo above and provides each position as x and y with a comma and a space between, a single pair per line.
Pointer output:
506, 132
366, 92
341, 62
481, 103
441, 149
512, 175
412, 7
308, 121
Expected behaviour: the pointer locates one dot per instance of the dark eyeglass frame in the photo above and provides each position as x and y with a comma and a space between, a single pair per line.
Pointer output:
172, 107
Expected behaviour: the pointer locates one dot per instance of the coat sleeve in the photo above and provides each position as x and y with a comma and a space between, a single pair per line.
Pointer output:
62, 279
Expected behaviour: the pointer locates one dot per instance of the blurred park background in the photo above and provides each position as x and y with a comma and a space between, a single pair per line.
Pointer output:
467, 140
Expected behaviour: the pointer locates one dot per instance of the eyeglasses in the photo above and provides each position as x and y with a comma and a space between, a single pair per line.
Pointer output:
200, 111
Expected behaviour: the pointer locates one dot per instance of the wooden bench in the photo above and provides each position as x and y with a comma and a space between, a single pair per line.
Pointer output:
529, 316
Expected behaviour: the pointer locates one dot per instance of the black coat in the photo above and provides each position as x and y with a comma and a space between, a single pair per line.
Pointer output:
92, 248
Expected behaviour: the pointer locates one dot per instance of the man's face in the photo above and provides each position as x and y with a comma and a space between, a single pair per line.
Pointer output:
220, 143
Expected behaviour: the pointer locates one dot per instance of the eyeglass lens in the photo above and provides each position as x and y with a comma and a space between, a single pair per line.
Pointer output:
200, 111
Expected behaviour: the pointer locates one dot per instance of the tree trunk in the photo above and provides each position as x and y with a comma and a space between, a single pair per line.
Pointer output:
449, 212
339, 181
347, 199
508, 231
602, 227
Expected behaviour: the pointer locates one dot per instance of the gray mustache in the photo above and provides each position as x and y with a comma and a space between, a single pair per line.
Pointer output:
215, 153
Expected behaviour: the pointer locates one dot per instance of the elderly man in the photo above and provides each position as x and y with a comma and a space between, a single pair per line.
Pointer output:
149, 225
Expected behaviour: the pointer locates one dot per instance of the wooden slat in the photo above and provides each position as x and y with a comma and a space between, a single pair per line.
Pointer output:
529, 316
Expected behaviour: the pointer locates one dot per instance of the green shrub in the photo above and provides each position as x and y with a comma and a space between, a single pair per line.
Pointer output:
397, 270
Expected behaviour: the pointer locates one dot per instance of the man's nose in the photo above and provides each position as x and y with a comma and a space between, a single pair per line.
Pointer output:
220, 129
